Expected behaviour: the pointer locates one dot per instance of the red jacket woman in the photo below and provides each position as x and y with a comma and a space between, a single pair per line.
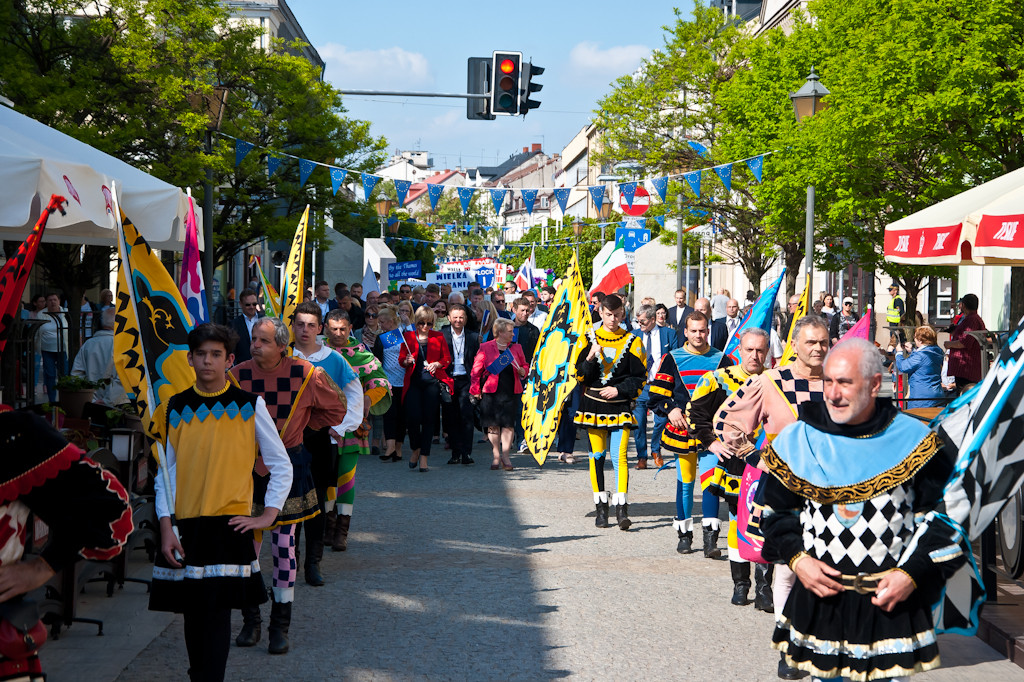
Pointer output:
487, 354
437, 351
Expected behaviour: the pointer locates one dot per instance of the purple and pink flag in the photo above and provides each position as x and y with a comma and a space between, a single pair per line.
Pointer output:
190, 281
861, 330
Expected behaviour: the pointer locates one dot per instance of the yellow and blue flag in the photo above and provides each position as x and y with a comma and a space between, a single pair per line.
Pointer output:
789, 354
291, 292
553, 372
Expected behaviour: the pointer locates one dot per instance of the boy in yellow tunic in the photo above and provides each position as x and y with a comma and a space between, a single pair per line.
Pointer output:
612, 373
213, 430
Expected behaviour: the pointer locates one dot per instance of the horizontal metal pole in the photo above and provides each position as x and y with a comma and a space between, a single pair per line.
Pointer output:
398, 93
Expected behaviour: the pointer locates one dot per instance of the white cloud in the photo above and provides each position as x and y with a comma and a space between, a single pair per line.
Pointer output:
587, 61
390, 68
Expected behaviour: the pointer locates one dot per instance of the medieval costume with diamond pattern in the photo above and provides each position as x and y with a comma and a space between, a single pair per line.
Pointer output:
621, 364
861, 498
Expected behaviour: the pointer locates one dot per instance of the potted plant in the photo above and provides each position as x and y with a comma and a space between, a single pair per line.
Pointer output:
54, 414
74, 392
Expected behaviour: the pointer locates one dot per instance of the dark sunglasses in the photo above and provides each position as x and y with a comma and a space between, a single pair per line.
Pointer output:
372, 316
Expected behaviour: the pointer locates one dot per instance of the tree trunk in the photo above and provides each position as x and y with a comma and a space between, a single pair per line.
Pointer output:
913, 287
792, 257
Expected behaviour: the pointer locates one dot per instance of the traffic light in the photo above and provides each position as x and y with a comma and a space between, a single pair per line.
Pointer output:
506, 74
478, 82
529, 87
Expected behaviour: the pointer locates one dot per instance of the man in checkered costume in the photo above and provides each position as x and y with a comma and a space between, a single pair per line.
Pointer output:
850, 506
298, 395
769, 401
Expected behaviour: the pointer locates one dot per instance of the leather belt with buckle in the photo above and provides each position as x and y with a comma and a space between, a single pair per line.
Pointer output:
862, 583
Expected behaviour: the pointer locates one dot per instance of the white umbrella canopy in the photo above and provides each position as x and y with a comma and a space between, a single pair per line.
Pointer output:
983, 225
37, 161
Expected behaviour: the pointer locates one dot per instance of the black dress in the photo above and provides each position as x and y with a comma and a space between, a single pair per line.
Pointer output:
503, 408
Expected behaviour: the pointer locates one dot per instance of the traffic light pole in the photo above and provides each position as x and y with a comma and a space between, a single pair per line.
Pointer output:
399, 93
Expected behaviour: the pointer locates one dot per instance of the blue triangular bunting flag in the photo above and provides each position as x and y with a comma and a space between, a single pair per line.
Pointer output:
628, 190
642, 222
369, 182
448, 229
241, 149
305, 168
698, 147
529, 197
272, 163
402, 189
660, 186
498, 198
597, 196
725, 175
693, 177
434, 192
756, 165
562, 197
465, 196
337, 177
660, 220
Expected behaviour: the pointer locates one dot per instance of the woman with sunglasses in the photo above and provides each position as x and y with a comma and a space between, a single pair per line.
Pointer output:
371, 326
842, 321
440, 314
424, 354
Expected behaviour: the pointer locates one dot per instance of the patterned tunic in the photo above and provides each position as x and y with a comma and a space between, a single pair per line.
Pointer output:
676, 378
622, 364
858, 499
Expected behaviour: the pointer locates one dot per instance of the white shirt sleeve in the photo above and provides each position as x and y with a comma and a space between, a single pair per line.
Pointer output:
275, 457
163, 504
353, 391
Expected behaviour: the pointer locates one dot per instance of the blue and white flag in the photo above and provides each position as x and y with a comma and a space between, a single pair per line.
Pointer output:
498, 198
369, 182
273, 162
759, 315
434, 191
699, 148
660, 186
242, 148
628, 190
503, 360
724, 174
562, 197
465, 197
529, 197
306, 167
693, 177
756, 165
597, 196
390, 339
337, 177
401, 190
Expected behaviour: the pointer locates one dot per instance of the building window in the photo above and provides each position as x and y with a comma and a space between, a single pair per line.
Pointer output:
942, 298
543, 202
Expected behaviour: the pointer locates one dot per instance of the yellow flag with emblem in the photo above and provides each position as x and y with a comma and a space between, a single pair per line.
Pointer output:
789, 354
553, 371
151, 326
291, 291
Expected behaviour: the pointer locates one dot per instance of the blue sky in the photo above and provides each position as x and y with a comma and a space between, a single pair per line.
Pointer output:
583, 46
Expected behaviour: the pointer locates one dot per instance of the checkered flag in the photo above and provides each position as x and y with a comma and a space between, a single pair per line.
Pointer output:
986, 425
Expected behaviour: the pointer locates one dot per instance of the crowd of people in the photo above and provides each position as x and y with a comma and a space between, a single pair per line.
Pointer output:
354, 377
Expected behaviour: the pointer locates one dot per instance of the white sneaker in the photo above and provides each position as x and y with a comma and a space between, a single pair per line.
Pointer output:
522, 447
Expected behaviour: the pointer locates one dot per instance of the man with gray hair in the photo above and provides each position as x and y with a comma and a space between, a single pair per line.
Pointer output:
848, 505
767, 403
95, 362
656, 341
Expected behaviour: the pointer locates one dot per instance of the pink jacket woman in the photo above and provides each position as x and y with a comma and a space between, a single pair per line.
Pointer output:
487, 354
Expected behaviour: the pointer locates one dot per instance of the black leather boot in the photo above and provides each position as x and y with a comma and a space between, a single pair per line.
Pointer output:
339, 542
763, 598
788, 672
251, 621
622, 516
740, 582
711, 550
330, 519
314, 550
685, 545
277, 631
601, 518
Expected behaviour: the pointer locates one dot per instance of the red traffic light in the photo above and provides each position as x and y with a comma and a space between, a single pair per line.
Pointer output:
507, 66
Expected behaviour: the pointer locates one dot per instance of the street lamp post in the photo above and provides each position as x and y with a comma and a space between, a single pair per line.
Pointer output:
384, 204
577, 229
806, 103
212, 106
604, 214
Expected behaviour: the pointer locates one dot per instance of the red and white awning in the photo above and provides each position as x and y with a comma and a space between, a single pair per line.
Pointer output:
984, 225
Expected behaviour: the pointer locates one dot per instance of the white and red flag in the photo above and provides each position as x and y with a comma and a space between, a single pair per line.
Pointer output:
614, 272
190, 281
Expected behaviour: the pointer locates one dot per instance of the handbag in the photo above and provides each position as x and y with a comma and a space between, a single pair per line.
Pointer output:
443, 392
748, 517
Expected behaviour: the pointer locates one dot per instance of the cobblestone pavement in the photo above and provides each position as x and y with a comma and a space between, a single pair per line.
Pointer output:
466, 573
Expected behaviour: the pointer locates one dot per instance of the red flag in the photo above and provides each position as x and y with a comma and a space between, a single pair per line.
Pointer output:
14, 275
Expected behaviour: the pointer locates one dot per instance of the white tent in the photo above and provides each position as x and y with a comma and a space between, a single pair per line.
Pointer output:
37, 161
